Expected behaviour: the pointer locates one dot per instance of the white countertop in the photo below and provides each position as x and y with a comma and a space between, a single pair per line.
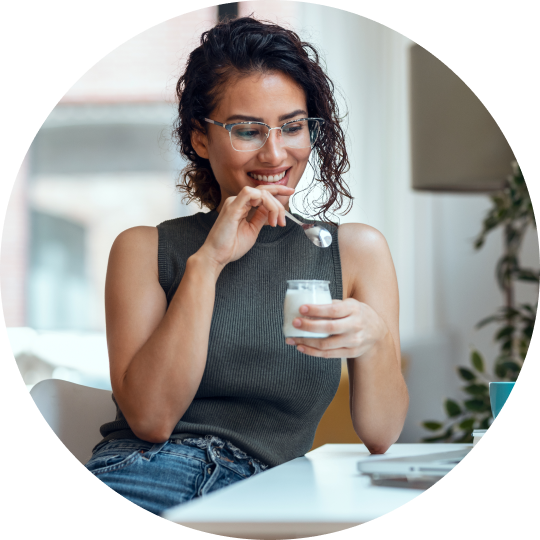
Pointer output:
323, 486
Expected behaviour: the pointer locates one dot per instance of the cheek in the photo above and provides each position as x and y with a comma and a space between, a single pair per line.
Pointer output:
228, 167
301, 158
223, 159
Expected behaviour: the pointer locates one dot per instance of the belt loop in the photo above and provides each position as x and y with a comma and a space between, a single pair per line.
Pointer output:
154, 450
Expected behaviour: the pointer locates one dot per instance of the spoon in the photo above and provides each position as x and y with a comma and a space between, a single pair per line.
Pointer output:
320, 236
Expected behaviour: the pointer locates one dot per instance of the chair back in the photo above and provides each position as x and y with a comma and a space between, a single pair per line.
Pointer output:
75, 413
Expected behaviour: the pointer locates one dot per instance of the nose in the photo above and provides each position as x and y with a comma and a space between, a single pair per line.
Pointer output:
273, 150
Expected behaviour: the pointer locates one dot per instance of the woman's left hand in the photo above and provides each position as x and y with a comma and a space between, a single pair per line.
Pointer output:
355, 328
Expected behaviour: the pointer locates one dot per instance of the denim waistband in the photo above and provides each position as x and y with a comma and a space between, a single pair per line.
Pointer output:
203, 442
207, 441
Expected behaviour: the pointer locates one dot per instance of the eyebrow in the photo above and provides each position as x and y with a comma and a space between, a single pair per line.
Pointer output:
244, 118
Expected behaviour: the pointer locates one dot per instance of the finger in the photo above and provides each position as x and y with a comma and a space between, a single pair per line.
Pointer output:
270, 210
333, 353
323, 344
275, 208
250, 197
275, 191
324, 326
249, 205
336, 310
259, 216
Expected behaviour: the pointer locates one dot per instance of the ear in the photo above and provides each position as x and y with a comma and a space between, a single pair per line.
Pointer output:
199, 141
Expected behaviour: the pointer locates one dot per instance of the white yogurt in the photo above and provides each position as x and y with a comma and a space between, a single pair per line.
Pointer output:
300, 292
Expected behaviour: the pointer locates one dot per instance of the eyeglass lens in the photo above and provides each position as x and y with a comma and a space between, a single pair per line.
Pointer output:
300, 134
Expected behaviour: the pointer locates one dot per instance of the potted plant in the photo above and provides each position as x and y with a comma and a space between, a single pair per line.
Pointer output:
512, 210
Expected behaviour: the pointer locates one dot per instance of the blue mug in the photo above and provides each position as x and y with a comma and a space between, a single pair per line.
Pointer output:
515, 406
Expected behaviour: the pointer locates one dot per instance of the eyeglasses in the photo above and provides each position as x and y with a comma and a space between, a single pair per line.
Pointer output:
249, 136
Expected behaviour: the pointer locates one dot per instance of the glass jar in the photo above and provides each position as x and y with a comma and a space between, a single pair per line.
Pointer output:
300, 292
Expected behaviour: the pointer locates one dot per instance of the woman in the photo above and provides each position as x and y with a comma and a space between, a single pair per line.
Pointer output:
208, 391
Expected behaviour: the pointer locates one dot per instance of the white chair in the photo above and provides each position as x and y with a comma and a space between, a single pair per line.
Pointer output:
75, 413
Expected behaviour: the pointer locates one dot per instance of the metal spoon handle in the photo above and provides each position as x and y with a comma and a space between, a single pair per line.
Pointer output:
303, 225
293, 218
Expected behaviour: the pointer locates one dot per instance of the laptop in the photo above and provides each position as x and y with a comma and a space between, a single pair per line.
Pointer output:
477, 467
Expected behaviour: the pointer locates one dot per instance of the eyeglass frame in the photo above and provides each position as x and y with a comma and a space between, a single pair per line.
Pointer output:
229, 128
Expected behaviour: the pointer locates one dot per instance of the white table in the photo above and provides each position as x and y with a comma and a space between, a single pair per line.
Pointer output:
320, 493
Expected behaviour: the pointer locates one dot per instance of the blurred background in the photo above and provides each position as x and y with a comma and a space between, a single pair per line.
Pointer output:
104, 161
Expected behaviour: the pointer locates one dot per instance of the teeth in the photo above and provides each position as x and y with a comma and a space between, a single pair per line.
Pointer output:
262, 178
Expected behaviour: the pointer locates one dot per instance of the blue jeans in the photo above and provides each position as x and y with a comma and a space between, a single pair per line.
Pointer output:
158, 476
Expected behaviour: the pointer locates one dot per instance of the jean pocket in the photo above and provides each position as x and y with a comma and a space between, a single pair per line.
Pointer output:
110, 462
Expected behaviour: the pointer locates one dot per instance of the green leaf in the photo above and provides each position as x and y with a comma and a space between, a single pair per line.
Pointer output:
466, 374
505, 331
439, 438
528, 331
519, 181
485, 423
476, 405
507, 369
490, 222
508, 312
487, 320
452, 408
479, 242
500, 371
477, 389
527, 275
466, 438
528, 307
467, 424
432, 426
477, 361
448, 433
499, 201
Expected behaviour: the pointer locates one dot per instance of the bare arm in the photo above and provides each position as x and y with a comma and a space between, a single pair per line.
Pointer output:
157, 356
378, 393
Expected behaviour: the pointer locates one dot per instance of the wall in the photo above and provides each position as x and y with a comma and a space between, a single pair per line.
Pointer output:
446, 286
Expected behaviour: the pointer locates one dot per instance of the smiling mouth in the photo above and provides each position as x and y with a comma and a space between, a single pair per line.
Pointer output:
270, 179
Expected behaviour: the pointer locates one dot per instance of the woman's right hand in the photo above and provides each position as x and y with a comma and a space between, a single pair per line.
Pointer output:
232, 235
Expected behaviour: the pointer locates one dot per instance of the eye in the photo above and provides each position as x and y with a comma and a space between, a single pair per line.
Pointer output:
246, 133
294, 129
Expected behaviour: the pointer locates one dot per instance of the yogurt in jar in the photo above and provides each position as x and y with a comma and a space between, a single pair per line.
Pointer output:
300, 292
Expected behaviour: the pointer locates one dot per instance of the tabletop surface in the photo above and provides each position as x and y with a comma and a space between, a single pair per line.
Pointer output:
324, 486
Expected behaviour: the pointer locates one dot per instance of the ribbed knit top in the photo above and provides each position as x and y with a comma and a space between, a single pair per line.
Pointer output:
257, 392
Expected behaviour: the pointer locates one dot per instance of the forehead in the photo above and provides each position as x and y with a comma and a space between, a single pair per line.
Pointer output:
260, 95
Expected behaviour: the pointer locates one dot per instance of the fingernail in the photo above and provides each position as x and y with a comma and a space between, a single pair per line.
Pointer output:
297, 323
300, 348
304, 309
289, 341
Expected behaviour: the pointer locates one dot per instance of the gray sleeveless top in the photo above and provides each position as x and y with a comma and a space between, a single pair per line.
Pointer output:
257, 392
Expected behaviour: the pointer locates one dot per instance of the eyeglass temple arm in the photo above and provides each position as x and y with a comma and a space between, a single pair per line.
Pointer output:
214, 122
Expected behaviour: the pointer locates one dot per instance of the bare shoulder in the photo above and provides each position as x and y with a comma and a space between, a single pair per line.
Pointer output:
135, 246
137, 238
364, 255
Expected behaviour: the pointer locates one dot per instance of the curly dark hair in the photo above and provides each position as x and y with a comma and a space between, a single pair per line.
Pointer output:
239, 47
